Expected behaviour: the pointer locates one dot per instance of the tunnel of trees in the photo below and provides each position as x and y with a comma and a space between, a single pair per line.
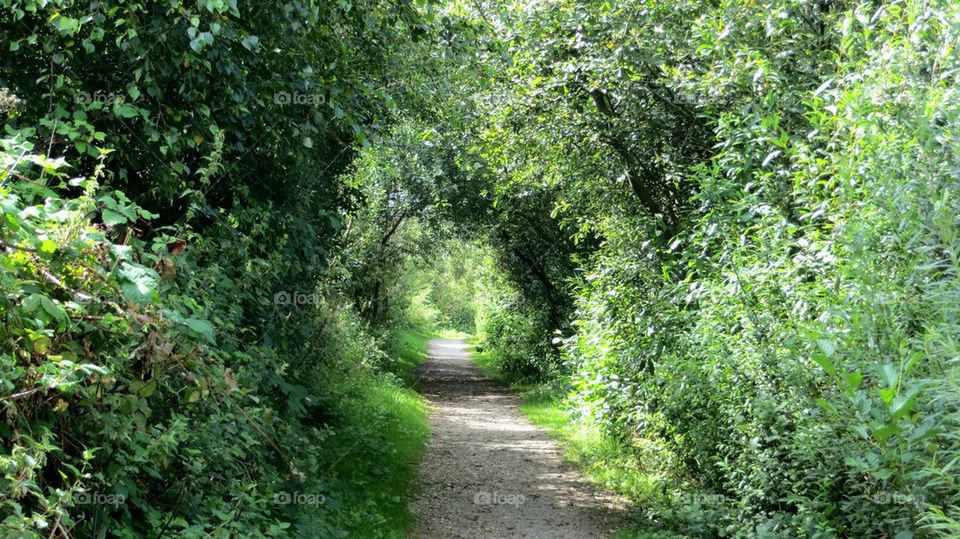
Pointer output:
724, 233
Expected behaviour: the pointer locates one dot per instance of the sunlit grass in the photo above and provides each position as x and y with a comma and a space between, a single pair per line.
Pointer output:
453, 334
409, 350
381, 448
485, 360
603, 461
391, 470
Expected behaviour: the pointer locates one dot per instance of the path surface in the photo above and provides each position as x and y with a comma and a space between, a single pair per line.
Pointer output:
487, 472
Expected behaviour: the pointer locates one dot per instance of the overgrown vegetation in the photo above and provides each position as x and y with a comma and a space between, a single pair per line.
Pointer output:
759, 204
726, 232
187, 343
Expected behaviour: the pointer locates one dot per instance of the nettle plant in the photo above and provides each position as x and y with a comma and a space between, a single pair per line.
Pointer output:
84, 342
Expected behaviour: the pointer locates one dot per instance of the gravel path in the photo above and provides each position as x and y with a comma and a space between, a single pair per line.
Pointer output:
487, 472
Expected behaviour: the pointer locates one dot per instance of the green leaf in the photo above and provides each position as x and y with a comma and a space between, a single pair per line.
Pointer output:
48, 247
125, 110
147, 214
32, 303
92, 368
770, 157
66, 25
141, 283
113, 218
912, 361
853, 380
203, 327
903, 403
924, 431
882, 474
824, 362
890, 374
826, 405
250, 42
883, 433
144, 389
55, 311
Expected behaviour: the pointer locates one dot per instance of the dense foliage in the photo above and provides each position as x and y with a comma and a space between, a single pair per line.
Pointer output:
731, 229
185, 346
728, 231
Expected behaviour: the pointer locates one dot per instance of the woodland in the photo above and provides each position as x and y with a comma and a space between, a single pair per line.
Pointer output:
716, 244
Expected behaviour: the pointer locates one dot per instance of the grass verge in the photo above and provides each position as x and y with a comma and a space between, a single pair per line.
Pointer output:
603, 461
485, 360
409, 350
379, 445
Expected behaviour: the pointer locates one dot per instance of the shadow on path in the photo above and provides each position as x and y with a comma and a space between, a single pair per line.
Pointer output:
489, 473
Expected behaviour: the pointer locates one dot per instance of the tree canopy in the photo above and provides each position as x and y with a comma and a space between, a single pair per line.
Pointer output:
724, 233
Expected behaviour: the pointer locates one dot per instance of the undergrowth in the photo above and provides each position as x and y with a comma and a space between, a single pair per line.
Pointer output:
375, 458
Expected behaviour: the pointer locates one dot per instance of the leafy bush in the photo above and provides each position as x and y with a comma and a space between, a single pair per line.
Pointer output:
756, 210
514, 335
784, 347
180, 345
110, 393
119, 392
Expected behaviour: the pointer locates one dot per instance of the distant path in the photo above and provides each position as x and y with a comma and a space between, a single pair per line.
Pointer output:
489, 473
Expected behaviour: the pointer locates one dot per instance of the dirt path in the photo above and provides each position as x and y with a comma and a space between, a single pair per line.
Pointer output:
489, 473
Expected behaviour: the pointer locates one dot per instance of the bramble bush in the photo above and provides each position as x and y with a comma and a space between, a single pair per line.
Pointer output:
109, 392
120, 388
171, 179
